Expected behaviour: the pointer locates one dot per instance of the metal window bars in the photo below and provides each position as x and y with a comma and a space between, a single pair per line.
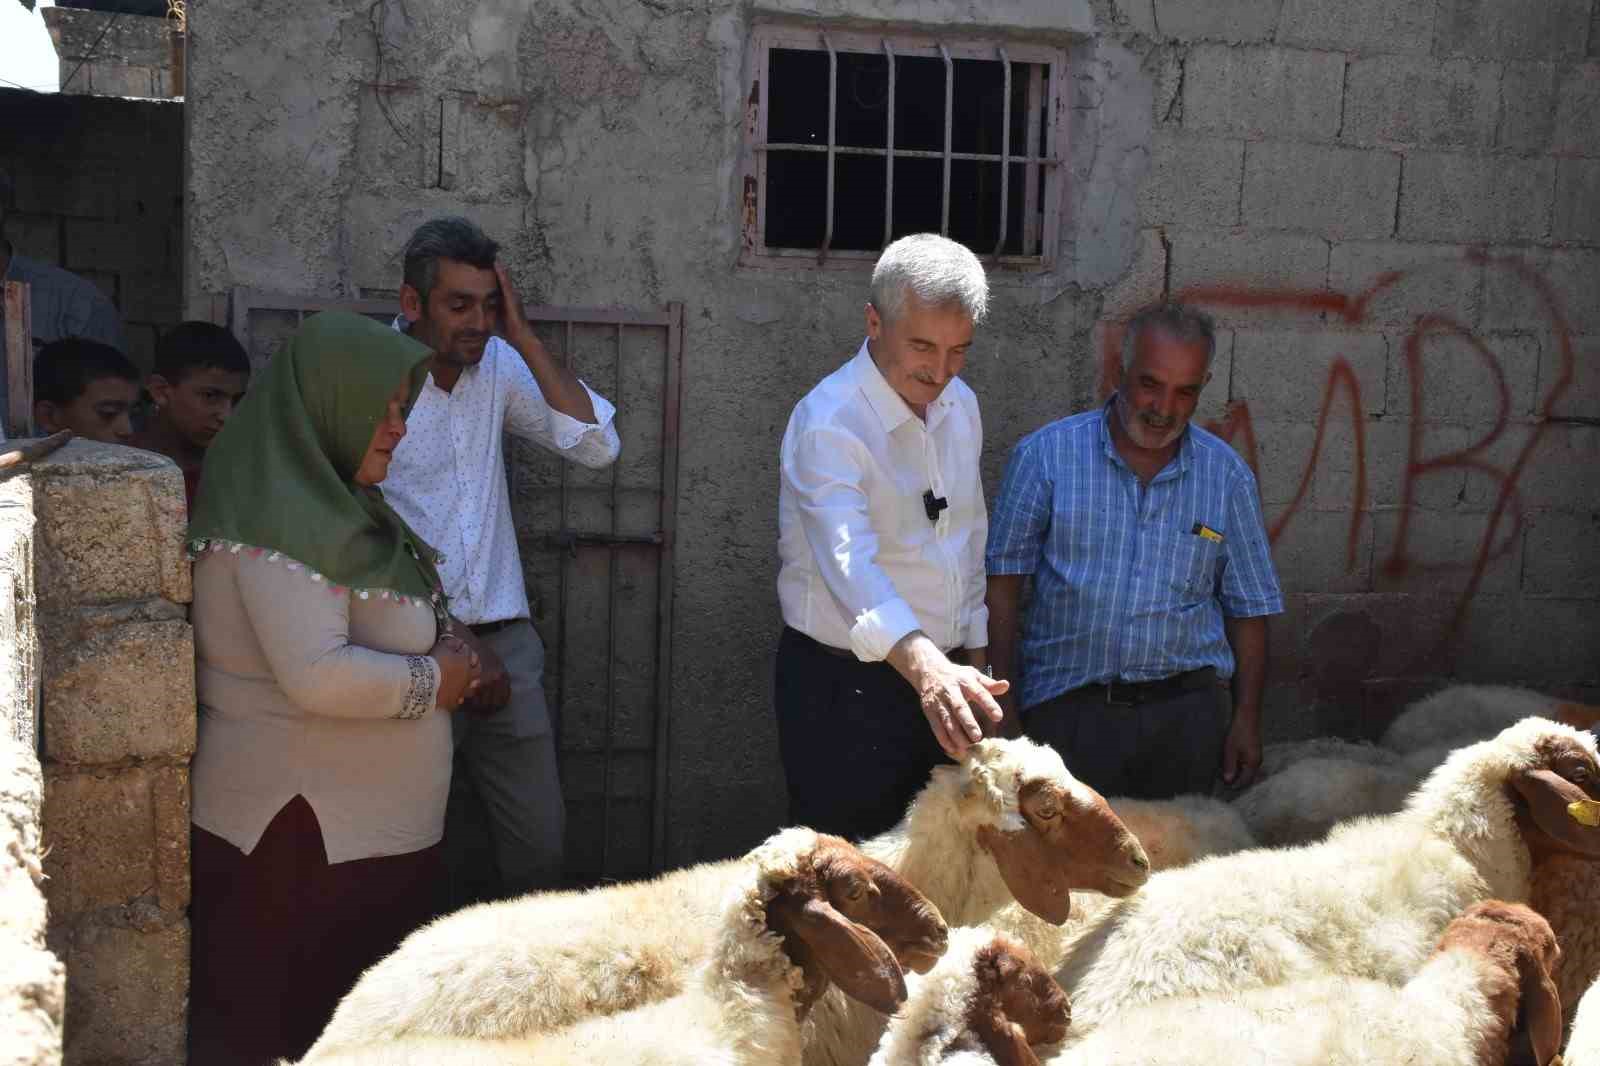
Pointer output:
1045, 118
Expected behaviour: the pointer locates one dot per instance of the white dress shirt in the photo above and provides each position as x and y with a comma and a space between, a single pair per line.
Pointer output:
862, 564
448, 476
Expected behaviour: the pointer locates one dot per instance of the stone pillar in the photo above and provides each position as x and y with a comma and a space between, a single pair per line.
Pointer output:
118, 724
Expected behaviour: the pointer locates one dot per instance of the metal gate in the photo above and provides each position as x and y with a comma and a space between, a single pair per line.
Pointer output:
597, 555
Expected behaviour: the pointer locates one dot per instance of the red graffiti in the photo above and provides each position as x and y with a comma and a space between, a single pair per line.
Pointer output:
1236, 426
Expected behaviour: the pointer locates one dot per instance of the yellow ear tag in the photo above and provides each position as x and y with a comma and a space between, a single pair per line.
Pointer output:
1585, 812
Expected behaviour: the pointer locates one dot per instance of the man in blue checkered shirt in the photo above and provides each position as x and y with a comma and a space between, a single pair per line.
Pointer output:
1152, 580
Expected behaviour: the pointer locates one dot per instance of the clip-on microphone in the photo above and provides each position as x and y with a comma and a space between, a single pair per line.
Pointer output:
933, 505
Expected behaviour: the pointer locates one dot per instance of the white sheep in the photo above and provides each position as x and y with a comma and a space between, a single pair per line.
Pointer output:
988, 999
1369, 901
1174, 832
1485, 985
1280, 755
1462, 714
1583, 1046
1008, 818
811, 912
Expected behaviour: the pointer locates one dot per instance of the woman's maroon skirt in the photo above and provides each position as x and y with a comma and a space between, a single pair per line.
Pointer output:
280, 935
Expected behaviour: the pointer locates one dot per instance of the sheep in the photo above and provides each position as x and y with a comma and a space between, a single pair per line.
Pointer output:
1008, 818
1174, 832
813, 910
1305, 800
1366, 902
1280, 756
1583, 1046
988, 1000
1484, 991
1462, 714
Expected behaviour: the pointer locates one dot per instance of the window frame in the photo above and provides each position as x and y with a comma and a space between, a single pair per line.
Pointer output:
1046, 92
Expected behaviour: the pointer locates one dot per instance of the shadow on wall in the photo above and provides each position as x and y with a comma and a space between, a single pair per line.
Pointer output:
1507, 516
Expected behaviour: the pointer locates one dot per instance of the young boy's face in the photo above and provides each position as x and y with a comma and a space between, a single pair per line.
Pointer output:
199, 403
101, 412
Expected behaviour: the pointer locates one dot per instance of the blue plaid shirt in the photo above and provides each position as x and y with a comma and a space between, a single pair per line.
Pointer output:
1124, 587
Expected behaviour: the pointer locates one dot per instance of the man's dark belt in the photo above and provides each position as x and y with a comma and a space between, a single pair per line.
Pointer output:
1132, 693
483, 629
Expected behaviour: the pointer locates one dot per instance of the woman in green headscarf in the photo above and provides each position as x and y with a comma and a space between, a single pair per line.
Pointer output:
324, 673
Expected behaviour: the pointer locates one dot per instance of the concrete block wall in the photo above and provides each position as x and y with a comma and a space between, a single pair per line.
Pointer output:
99, 191
32, 982
1433, 166
118, 710
115, 53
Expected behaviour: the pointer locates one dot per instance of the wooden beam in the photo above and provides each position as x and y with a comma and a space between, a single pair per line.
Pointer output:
19, 359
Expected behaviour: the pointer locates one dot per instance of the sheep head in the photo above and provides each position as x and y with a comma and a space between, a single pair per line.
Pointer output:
1554, 787
1016, 1003
1521, 952
1048, 832
852, 920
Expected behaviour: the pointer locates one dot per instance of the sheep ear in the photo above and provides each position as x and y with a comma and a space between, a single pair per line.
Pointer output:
1027, 865
1548, 796
1540, 1009
850, 955
1008, 1045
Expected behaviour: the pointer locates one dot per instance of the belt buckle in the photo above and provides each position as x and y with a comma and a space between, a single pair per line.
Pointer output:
1130, 700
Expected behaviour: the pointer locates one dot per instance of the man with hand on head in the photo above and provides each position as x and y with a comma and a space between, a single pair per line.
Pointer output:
1152, 579
881, 521
489, 375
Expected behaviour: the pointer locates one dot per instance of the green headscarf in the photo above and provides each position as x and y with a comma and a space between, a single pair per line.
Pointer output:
278, 477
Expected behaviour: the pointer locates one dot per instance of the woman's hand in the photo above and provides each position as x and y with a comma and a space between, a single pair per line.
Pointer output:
459, 671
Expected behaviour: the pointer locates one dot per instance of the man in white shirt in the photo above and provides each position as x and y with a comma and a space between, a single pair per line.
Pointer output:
489, 376
881, 520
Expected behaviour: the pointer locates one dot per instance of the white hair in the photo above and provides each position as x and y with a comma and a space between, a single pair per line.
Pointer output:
936, 270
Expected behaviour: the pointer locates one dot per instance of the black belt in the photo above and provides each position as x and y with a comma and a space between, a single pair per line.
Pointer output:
1132, 693
483, 629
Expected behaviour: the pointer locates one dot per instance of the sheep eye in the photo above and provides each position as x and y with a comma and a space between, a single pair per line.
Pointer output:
1047, 812
854, 891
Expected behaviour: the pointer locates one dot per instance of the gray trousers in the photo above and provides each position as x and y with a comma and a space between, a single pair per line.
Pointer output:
506, 819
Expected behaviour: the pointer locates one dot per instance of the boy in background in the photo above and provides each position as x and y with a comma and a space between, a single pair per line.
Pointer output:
87, 387
200, 375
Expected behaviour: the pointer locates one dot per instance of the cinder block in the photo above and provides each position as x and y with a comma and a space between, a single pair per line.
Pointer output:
1284, 374
1553, 29
1561, 557
1512, 300
102, 77
1578, 111
1234, 21
90, 190
1476, 198
1458, 385
1283, 450
1245, 265
36, 236
1438, 552
1403, 100
1263, 92
1194, 178
110, 527
1313, 552
1144, 281
93, 715
1433, 279
1339, 192
127, 993
101, 838
1563, 471
1410, 629
1581, 396
1388, 446
152, 295
1293, 464
1527, 106
1366, 27
1578, 200
1532, 640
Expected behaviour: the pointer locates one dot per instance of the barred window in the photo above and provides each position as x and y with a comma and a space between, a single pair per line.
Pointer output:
857, 139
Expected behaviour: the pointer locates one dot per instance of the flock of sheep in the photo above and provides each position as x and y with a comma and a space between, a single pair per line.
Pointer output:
1421, 901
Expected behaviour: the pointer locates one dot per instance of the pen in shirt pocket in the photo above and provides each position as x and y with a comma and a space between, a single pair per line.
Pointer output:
1202, 530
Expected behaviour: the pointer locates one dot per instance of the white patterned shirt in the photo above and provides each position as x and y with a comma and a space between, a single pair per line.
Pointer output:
862, 564
448, 476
